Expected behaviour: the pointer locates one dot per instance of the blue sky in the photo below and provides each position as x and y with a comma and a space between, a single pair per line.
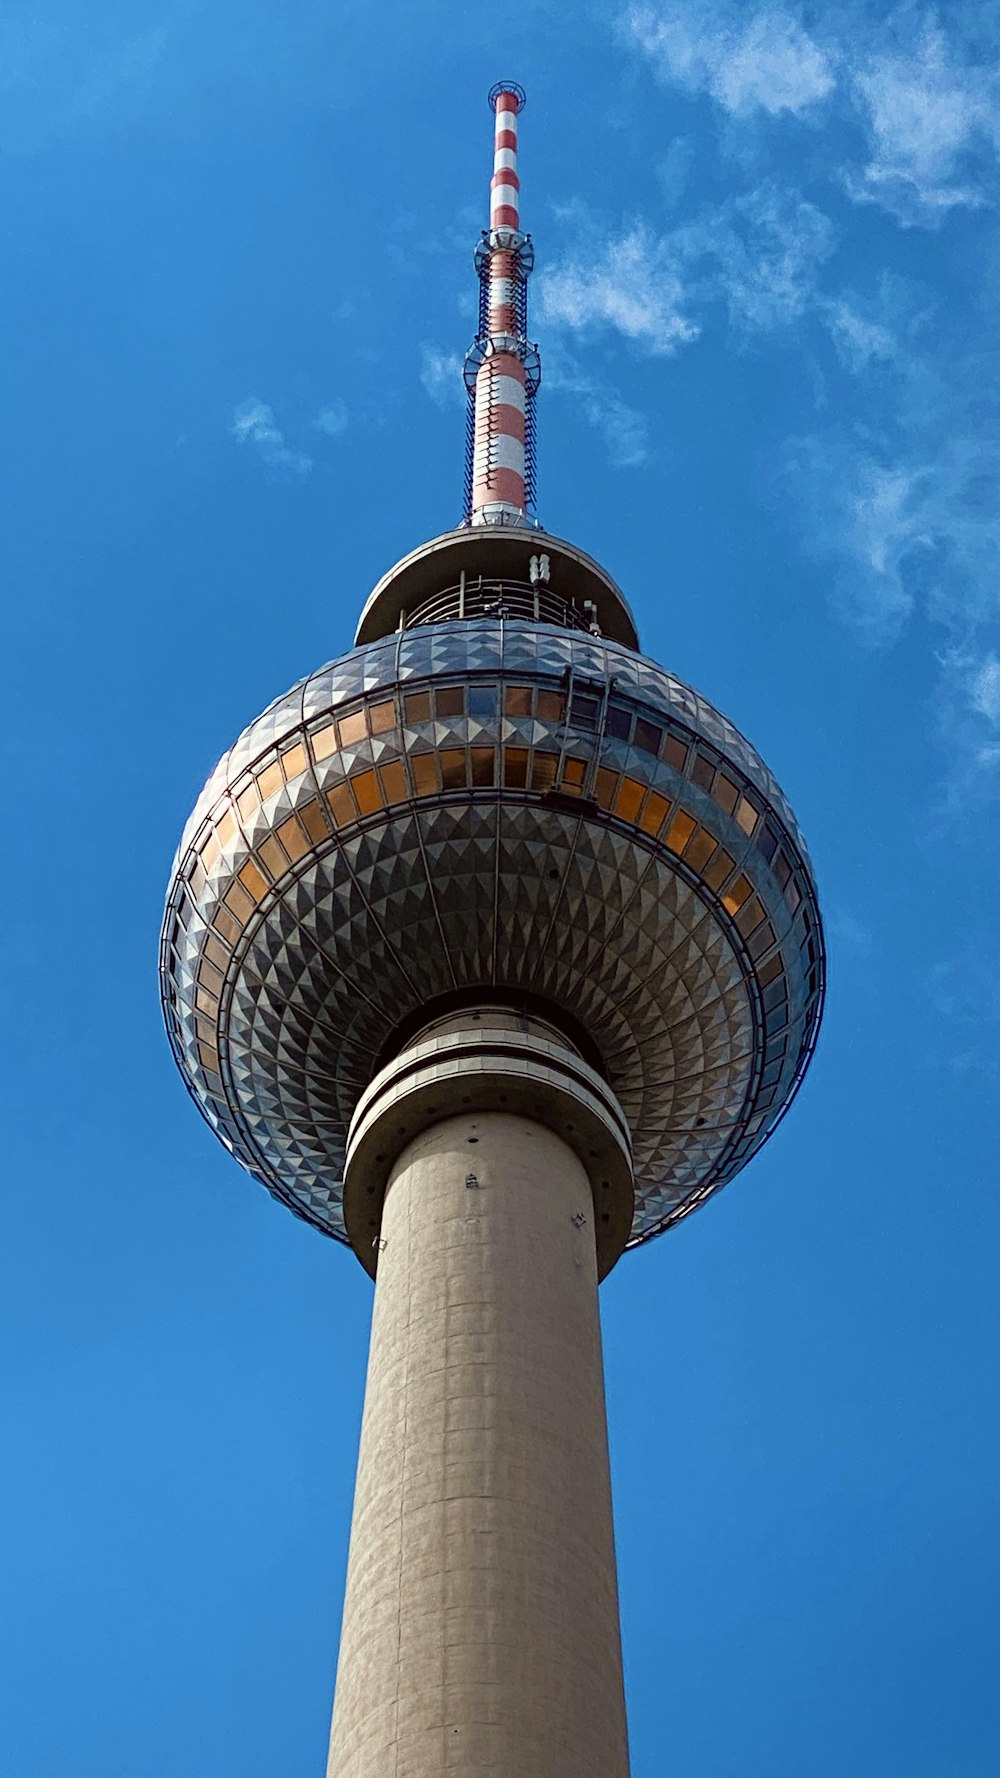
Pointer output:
238, 284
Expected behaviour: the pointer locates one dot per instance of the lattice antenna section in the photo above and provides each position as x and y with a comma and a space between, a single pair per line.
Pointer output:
502, 367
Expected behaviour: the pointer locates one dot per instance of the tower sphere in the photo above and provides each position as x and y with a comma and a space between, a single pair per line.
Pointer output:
493, 798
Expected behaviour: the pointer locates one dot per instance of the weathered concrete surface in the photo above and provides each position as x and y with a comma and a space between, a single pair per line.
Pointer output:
481, 1628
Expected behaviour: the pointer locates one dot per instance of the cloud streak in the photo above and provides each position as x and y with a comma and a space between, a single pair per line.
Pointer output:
630, 283
441, 375
332, 420
253, 423
767, 62
758, 255
932, 124
927, 104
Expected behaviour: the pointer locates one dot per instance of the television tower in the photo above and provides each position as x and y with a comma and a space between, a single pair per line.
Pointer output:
491, 950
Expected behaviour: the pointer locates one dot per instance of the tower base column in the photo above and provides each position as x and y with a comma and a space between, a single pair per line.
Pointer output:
481, 1629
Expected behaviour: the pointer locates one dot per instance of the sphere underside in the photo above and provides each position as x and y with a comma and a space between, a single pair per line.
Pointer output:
506, 806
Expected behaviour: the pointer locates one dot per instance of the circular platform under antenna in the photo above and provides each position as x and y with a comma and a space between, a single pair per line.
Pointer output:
507, 86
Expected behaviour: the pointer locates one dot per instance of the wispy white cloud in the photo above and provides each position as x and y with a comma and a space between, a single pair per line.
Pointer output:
628, 282
984, 688
933, 121
758, 254
254, 424
860, 341
922, 91
332, 419
623, 431
441, 375
764, 251
905, 531
767, 62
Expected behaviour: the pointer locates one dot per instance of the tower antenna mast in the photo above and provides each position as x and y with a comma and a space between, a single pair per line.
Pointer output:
502, 367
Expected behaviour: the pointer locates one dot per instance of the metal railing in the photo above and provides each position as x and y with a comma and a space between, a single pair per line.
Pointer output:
478, 597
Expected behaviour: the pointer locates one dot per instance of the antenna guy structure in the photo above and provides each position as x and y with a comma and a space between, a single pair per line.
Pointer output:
492, 950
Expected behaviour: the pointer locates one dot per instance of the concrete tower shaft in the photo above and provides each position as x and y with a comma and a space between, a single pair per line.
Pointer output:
480, 1624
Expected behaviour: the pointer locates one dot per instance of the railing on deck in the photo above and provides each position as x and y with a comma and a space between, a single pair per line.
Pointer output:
478, 597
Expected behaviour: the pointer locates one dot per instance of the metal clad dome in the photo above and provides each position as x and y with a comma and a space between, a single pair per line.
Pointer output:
503, 804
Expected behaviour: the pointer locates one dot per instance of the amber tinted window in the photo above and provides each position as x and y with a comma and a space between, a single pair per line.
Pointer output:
248, 802
274, 856
647, 735
227, 828
680, 830
352, 727
770, 971
762, 940
269, 780
209, 977
543, 770
449, 700
418, 706
703, 771
550, 706
294, 761
655, 812
746, 815
719, 870
253, 880
324, 741
517, 700
574, 771
208, 1057
675, 753
425, 773
293, 839
604, 789
216, 952
211, 851
736, 895
239, 902
515, 767
206, 1002
699, 848
227, 924
629, 799
482, 766
750, 916
366, 792
314, 821
726, 793
393, 781
382, 717
341, 804
452, 767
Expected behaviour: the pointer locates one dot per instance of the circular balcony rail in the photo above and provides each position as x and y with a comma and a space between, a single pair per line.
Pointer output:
479, 597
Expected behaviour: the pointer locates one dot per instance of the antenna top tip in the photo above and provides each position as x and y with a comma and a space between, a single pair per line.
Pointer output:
517, 93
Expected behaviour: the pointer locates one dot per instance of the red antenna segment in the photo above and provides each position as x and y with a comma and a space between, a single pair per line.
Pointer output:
502, 370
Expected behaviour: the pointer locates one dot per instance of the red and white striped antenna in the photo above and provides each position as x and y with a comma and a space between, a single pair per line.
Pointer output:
502, 369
